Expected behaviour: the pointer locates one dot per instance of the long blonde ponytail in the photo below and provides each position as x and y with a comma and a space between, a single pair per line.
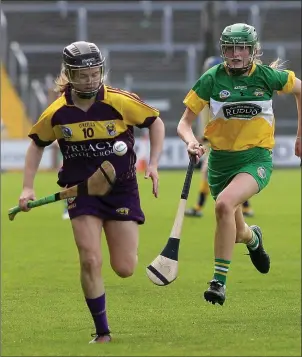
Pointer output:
61, 82
276, 64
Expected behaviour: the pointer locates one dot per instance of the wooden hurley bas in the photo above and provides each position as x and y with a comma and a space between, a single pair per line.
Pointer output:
99, 184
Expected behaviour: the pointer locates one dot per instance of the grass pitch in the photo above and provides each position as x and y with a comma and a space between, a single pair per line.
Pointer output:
44, 312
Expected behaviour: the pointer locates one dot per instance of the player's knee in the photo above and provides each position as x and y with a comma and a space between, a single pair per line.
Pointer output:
223, 207
123, 271
124, 268
91, 263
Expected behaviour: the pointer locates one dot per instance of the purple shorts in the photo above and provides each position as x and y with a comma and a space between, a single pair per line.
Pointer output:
121, 204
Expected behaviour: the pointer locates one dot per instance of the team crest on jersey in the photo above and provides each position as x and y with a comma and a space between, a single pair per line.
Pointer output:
259, 92
111, 129
224, 94
123, 211
261, 172
66, 131
70, 200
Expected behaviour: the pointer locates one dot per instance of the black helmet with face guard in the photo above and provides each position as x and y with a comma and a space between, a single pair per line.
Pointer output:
79, 56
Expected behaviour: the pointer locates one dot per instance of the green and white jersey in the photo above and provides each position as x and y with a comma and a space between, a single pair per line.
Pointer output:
241, 113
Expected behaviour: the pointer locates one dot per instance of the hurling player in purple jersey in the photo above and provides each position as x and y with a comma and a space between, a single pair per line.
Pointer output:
86, 120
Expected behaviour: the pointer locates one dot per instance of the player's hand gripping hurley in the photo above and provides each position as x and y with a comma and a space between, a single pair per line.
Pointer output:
164, 268
98, 184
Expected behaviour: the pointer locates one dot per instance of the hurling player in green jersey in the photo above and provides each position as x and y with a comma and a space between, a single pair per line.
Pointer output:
204, 189
240, 131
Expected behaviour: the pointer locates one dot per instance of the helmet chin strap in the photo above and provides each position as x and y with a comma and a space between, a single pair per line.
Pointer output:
239, 71
85, 95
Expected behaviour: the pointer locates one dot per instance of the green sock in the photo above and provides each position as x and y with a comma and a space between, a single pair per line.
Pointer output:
221, 269
254, 242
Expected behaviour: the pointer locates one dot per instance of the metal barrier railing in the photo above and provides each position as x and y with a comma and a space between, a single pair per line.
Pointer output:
3, 45
38, 100
18, 70
82, 24
190, 50
147, 7
139, 5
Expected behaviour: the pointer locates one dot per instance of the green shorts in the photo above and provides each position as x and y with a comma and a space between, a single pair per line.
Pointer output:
224, 165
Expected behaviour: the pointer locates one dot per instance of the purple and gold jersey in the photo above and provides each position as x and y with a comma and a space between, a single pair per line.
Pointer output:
240, 108
86, 138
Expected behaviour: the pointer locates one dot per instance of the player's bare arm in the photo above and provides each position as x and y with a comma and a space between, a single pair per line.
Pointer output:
32, 161
297, 94
185, 132
157, 134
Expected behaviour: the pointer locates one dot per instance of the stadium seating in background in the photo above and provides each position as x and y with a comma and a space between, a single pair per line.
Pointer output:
158, 73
